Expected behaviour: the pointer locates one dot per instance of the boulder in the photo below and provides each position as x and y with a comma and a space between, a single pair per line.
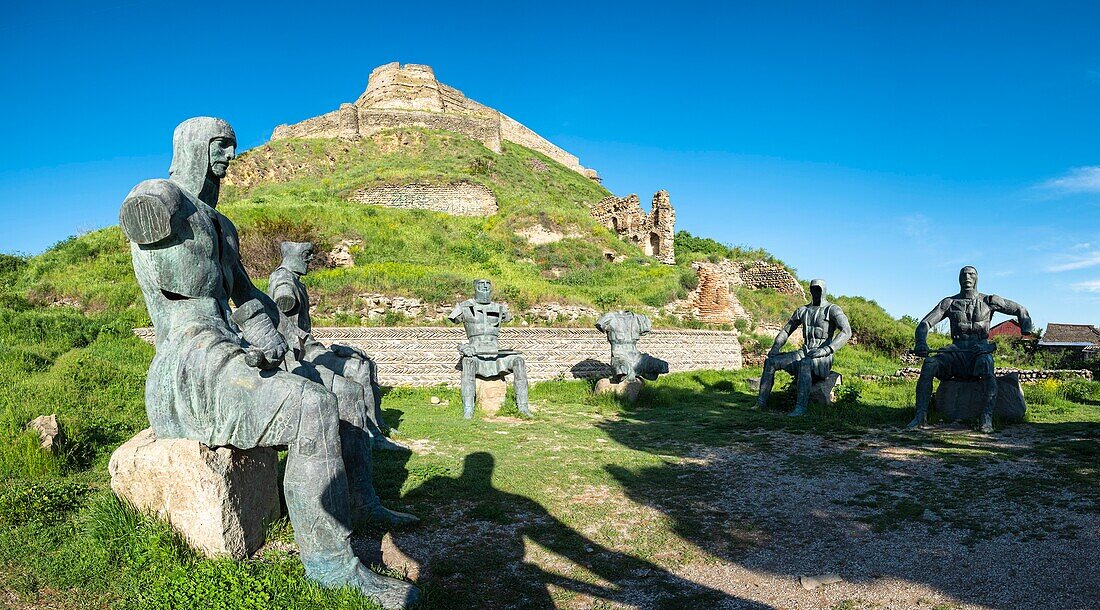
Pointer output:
754, 384
490, 394
963, 400
219, 499
627, 390
49, 431
823, 392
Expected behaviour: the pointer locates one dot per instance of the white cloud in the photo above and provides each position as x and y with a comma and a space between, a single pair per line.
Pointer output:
1090, 259
1089, 286
1076, 180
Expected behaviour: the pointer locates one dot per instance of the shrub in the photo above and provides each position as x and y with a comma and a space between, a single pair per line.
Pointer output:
260, 251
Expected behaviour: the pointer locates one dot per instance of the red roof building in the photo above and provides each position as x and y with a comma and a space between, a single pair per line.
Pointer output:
1008, 328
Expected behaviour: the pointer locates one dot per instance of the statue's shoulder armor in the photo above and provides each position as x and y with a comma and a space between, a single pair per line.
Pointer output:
153, 211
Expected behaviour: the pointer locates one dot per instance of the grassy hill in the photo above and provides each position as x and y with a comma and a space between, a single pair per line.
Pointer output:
605, 490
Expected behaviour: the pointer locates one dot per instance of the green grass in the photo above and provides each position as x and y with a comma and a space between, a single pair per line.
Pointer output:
588, 473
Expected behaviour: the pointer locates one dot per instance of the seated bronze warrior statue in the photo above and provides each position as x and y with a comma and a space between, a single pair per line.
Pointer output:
227, 377
825, 330
286, 288
481, 355
970, 355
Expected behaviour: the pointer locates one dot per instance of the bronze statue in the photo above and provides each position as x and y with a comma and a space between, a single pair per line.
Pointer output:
286, 288
482, 356
624, 329
825, 330
218, 375
970, 355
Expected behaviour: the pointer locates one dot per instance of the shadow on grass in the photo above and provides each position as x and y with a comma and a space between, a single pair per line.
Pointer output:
480, 555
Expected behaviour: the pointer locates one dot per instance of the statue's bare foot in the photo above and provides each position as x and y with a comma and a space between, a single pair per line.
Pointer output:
388, 444
467, 413
758, 406
987, 425
379, 515
525, 411
390, 593
798, 412
917, 423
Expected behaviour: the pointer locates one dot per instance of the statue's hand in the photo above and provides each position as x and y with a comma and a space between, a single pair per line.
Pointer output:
257, 328
921, 350
819, 352
467, 350
1026, 325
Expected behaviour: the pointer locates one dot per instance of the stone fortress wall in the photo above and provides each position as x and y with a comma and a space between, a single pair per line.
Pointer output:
427, 356
410, 96
654, 232
459, 199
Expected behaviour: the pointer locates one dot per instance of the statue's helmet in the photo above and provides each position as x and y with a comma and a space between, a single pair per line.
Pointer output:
482, 290
817, 291
191, 150
296, 255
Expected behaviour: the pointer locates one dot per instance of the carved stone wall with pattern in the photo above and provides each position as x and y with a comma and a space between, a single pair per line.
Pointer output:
425, 356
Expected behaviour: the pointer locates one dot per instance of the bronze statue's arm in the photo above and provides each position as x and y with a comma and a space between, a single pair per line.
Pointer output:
456, 314
283, 293
505, 315
1012, 308
933, 318
781, 338
601, 324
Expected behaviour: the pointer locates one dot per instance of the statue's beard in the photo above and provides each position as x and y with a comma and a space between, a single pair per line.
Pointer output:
482, 297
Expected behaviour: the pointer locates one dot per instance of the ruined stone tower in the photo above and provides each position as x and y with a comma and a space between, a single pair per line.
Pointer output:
653, 232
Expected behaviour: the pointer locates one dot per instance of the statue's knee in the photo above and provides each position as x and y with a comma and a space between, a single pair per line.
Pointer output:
320, 420
519, 367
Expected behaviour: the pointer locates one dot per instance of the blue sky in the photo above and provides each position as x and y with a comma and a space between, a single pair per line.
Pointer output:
880, 146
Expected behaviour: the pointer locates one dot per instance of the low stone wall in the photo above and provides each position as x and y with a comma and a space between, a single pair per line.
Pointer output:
425, 356
459, 199
762, 274
1026, 375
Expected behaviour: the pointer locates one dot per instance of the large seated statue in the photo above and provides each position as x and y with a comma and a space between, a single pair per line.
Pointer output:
219, 377
825, 330
481, 355
970, 355
286, 288
624, 329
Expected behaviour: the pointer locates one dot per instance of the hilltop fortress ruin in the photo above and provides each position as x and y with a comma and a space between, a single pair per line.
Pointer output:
410, 96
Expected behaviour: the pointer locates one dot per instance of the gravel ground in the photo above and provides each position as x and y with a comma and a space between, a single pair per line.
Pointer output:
939, 520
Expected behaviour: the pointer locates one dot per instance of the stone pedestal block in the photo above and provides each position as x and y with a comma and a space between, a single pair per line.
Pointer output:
220, 500
628, 390
963, 400
490, 394
824, 392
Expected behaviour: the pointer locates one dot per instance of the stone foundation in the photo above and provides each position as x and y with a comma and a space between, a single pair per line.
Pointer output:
220, 500
458, 199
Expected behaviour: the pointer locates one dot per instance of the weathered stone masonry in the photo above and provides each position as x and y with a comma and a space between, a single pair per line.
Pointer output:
654, 232
459, 199
425, 356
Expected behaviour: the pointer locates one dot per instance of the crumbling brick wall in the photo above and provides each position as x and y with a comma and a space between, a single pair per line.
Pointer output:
653, 232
